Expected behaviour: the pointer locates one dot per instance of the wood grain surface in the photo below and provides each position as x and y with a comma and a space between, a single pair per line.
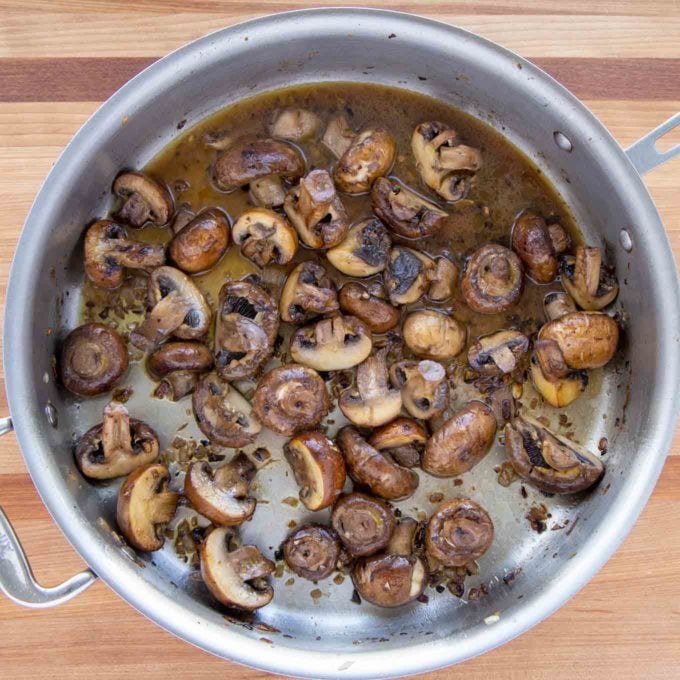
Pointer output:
60, 59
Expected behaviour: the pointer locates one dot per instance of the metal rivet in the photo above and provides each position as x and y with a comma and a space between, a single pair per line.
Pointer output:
52, 415
626, 240
563, 141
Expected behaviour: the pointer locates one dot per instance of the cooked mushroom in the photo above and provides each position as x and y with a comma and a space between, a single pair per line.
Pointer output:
145, 505
331, 344
365, 250
365, 525
307, 293
116, 446
265, 237
493, 281
375, 469
531, 241
372, 402
444, 164
338, 136
461, 442
370, 155
296, 125
444, 279
423, 385
268, 191
178, 365
557, 304
290, 399
559, 237
405, 212
375, 312
144, 200
458, 532
176, 307
223, 414
312, 551
108, 251
550, 462
586, 282
183, 215
403, 439
93, 359
433, 335
318, 467
557, 391
222, 495
408, 275
316, 211
498, 353
236, 576
200, 244
245, 330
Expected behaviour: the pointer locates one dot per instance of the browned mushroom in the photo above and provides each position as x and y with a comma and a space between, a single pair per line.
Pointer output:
586, 282
375, 312
296, 125
200, 244
265, 237
364, 251
461, 442
307, 293
144, 200
559, 237
444, 279
423, 385
178, 365
557, 304
498, 353
408, 275
369, 156
365, 525
531, 241
559, 385
403, 439
338, 136
312, 551
290, 399
433, 335
183, 215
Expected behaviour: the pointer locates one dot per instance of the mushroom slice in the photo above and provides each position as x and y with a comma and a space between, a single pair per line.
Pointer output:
200, 244
93, 359
312, 551
423, 385
586, 339
331, 344
144, 200
444, 279
316, 211
176, 307
117, 446
375, 469
178, 365
365, 525
222, 495
584, 280
433, 335
265, 237
291, 398
236, 576
369, 156
494, 280
548, 461
245, 330
461, 442
408, 275
307, 293
376, 313
498, 353
296, 125
365, 250
531, 240
373, 402
108, 251
145, 505
444, 164
557, 304
223, 414
403, 439
458, 532
558, 392
338, 136
318, 467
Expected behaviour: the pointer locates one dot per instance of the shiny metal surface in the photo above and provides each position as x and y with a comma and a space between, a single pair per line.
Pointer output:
331, 636
644, 154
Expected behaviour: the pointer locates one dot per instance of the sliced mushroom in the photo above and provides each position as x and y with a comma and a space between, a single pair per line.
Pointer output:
423, 385
236, 576
307, 293
312, 551
584, 280
116, 446
403, 439
144, 200
461, 442
365, 250
200, 244
375, 469
178, 365
93, 359
296, 125
222, 495
493, 281
145, 505
548, 461
444, 279
531, 240
458, 532
369, 156
376, 313
557, 391
338, 136
372, 402
433, 335
290, 399
498, 353
265, 237
557, 304
365, 525
222, 414
176, 307
318, 467
245, 330
108, 251
408, 275
331, 344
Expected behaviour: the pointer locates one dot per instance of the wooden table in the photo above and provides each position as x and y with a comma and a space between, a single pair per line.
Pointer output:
60, 59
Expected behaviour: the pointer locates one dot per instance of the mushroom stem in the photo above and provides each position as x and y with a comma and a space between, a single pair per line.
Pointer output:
402, 539
161, 321
116, 439
317, 192
551, 360
163, 507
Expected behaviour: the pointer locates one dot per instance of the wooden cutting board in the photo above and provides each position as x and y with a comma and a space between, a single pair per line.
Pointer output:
59, 59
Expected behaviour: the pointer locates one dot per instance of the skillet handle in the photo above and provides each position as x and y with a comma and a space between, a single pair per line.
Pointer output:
644, 155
